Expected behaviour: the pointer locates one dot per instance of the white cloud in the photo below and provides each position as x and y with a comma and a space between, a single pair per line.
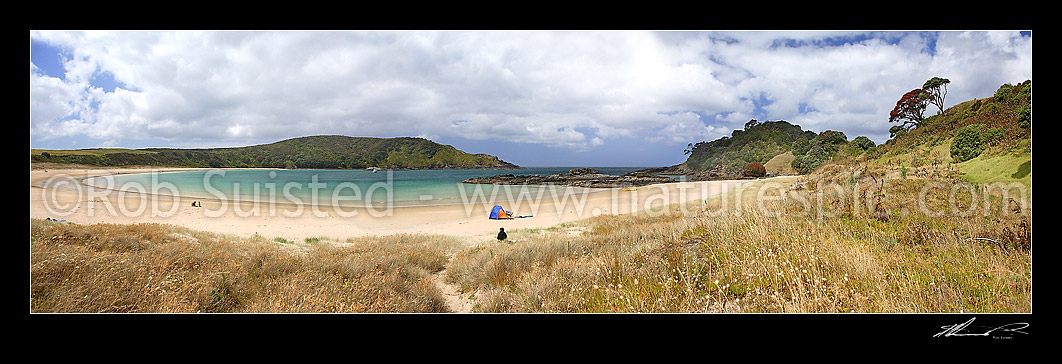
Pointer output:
572, 90
51, 99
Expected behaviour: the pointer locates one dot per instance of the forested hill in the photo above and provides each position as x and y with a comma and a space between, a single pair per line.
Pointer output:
319, 152
758, 142
986, 139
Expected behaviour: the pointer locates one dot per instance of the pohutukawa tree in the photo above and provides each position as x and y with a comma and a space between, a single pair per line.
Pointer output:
908, 111
937, 88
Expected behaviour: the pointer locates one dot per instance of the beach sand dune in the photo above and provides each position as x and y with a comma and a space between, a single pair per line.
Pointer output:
56, 194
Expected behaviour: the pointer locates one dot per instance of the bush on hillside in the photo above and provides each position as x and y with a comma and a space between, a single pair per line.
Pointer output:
818, 153
801, 146
863, 142
832, 137
1008, 93
1024, 116
992, 136
967, 143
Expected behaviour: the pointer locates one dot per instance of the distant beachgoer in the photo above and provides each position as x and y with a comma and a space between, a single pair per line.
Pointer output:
199, 204
501, 234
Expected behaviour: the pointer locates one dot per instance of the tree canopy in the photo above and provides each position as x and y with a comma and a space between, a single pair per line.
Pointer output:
937, 89
911, 107
909, 110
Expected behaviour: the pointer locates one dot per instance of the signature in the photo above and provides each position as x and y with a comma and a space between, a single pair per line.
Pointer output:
960, 329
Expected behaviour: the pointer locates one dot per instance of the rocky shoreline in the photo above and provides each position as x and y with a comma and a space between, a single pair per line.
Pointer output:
578, 177
715, 174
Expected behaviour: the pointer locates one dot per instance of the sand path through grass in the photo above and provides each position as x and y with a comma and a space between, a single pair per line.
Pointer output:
454, 299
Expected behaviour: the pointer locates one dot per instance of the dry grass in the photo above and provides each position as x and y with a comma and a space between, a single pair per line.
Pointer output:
826, 243
781, 164
161, 269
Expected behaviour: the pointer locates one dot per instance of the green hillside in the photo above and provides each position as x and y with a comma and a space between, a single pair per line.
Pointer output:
320, 152
758, 142
980, 141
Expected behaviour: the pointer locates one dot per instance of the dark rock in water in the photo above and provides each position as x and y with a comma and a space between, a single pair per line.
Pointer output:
578, 177
712, 174
583, 171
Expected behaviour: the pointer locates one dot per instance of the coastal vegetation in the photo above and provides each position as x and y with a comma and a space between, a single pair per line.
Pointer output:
996, 126
758, 142
315, 152
936, 219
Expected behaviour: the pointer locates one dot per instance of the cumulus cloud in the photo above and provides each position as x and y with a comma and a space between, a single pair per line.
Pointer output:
573, 90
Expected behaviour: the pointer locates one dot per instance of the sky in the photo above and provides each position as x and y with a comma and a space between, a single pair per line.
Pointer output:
533, 98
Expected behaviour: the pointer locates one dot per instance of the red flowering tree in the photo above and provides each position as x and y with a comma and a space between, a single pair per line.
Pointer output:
908, 111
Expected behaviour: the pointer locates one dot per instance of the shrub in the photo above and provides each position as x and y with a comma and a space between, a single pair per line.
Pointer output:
1024, 116
875, 152
863, 142
818, 153
801, 146
967, 143
832, 137
1008, 93
992, 136
1003, 92
754, 169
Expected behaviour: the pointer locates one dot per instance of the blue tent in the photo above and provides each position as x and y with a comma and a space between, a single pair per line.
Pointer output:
499, 213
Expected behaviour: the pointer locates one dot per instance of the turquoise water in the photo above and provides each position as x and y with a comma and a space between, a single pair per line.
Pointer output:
340, 186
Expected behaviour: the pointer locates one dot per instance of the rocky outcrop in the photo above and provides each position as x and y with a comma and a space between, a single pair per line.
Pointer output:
712, 174
579, 177
582, 171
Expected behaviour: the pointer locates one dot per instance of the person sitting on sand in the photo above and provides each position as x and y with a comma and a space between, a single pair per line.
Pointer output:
501, 234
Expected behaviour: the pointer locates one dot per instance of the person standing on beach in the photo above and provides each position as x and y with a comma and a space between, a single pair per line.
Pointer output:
501, 234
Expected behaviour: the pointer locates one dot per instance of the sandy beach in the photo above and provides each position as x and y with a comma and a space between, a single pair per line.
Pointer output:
80, 204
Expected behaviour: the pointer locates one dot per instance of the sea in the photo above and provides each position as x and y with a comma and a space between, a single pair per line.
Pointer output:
341, 187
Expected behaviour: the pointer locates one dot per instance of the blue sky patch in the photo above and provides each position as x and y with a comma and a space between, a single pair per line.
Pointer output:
48, 59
